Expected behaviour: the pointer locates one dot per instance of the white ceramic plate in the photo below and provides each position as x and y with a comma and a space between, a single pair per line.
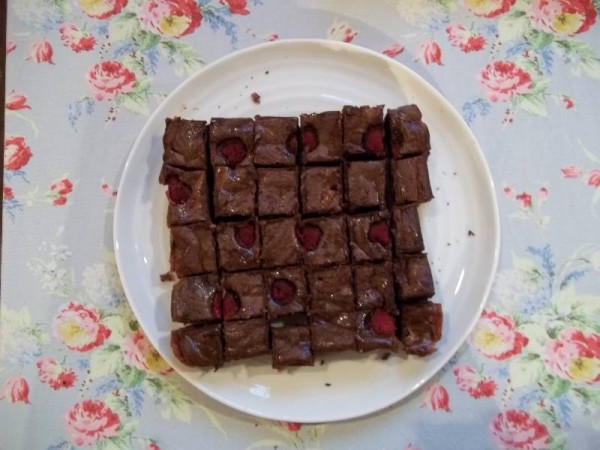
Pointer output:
293, 77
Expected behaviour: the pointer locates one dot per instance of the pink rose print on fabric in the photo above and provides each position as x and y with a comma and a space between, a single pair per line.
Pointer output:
293, 427
171, 18
473, 383
59, 191
109, 79
495, 337
15, 390
436, 398
7, 192
102, 9
79, 327
575, 356
530, 205
15, 101
140, 354
567, 102
524, 199
108, 189
571, 172
514, 429
593, 178
16, 153
153, 446
236, 6
488, 8
563, 17
75, 39
341, 31
430, 53
90, 421
393, 50
464, 39
54, 374
272, 37
41, 51
501, 80
10, 46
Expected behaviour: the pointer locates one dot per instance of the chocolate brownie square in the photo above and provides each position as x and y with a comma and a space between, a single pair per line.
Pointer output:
192, 250
370, 238
365, 184
411, 180
374, 287
187, 192
333, 334
321, 137
363, 130
286, 290
376, 329
192, 299
198, 345
231, 142
421, 327
247, 291
280, 246
324, 241
276, 141
246, 338
277, 192
413, 278
331, 291
184, 143
407, 230
291, 347
239, 245
234, 191
321, 190
408, 135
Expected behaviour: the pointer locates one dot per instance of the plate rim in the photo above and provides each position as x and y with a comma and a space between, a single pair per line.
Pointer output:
479, 155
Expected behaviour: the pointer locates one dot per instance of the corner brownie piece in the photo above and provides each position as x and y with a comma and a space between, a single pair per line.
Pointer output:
192, 299
413, 276
277, 192
291, 347
239, 245
411, 180
198, 345
421, 327
184, 143
376, 329
276, 141
408, 135
234, 191
192, 250
286, 290
323, 241
321, 190
365, 184
187, 192
333, 334
279, 244
407, 230
363, 130
248, 294
374, 287
246, 338
331, 291
321, 137
231, 141
370, 238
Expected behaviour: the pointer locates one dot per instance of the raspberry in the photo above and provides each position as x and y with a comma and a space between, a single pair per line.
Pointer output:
309, 236
383, 323
231, 305
178, 192
283, 291
379, 232
291, 144
233, 151
245, 235
216, 306
310, 138
373, 140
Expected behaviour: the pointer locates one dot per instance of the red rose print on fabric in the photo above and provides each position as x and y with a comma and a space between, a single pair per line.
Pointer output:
473, 383
102, 9
15, 390
514, 429
341, 31
291, 426
529, 205
10, 46
574, 355
108, 79
140, 353
430, 53
7, 192
90, 421
170, 18
16, 153
488, 8
153, 446
236, 6
54, 374
563, 17
464, 39
593, 178
495, 337
79, 327
59, 191
567, 102
501, 80
41, 51
15, 101
436, 398
393, 50
75, 39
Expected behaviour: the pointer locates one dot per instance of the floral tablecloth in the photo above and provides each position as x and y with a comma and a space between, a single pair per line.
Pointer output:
81, 77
